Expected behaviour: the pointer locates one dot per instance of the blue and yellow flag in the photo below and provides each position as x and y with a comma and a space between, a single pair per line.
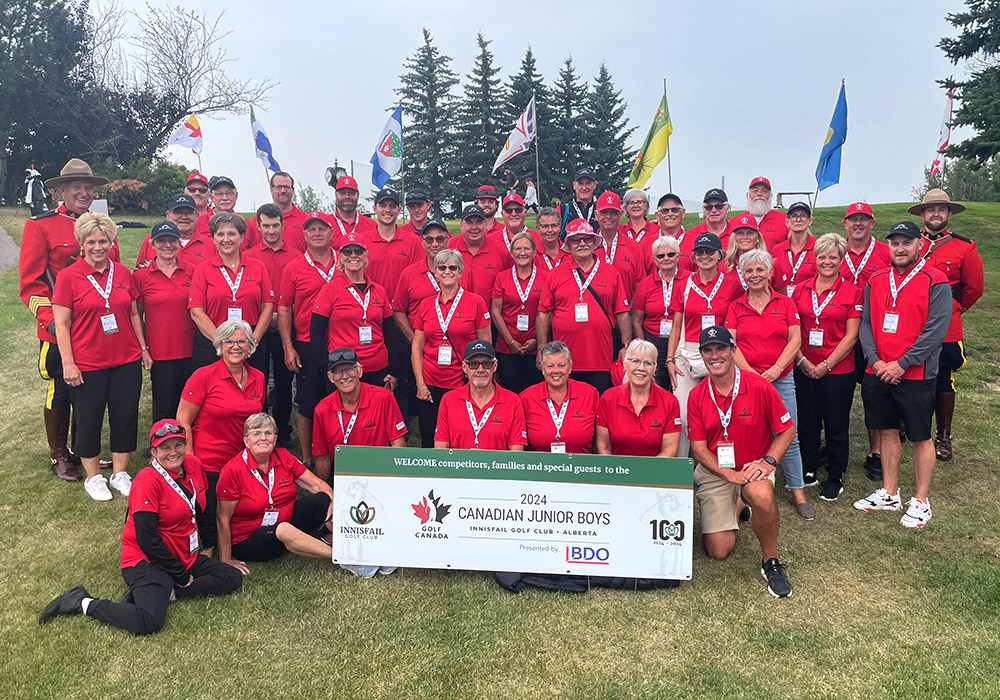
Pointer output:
828, 170
654, 148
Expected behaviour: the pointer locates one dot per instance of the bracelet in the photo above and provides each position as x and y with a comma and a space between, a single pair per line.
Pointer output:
669, 360
144, 347
800, 360
827, 365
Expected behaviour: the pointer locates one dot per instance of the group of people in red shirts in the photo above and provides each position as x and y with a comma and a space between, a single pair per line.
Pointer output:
666, 341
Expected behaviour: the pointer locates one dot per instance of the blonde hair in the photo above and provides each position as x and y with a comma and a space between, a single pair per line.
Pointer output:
830, 241
90, 223
732, 255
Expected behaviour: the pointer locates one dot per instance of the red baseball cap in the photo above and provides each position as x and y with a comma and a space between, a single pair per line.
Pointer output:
760, 181
197, 176
353, 239
347, 182
486, 191
513, 197
164, 429
859, 208
315, 216
743, 221
609, 200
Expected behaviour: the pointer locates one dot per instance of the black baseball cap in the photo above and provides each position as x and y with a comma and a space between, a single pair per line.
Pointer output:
417, 196
715, 193
707, 240
473, 210
715, 335
800, 205
904, 228
342, 356
164, 229
180, 201
584, 172
385, 194
669, 196
479, 347
435, 223
219, 181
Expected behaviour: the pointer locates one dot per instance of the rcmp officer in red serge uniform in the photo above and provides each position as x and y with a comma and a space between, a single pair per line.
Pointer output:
906, 315
47, 246
957, 257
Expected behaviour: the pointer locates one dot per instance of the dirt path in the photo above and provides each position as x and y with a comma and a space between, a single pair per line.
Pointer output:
8, 252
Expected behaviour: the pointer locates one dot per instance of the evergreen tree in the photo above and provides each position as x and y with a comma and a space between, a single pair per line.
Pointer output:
429, 136
607, 132
567, 133
480, 126
526, 82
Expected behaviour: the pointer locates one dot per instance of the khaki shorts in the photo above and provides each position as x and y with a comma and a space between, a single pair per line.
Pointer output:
717, 499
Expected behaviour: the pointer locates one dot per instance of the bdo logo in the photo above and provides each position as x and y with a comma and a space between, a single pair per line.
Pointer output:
362, 514
587, 555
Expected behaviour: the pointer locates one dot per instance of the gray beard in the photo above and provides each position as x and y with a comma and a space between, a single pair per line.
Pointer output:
758, 207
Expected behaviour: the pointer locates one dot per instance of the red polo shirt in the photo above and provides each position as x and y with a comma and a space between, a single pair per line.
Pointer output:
223, 407
865, 264
628, 259
470, 315
211, 292
773, 228
93, 348
687, 245
342, 230
647, 233
482, 268
250, 239
237, 483
167, 321
388, 258
912, 305
578, 423
197, 250
152, 494
503, 237
336, 302
790, 269
300, 285
957, 257
291, 228
762, 336
695, 307
379, 421
503, 428
408, 228
508, 288
847, 303
413, 287
640, 435
649, 296
757, 415
542, 258
274, 260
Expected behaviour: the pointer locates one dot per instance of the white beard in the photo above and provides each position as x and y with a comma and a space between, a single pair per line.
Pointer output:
758, 207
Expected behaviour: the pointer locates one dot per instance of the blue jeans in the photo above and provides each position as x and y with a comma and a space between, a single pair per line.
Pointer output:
791, 463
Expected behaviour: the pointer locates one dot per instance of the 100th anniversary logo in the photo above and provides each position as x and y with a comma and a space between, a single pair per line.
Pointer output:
363, 515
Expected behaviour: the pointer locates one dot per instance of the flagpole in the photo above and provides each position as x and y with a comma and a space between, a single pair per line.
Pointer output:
670, 176
200, 169
538, 180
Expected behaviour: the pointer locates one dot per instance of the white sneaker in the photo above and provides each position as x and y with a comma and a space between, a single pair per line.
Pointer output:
122, 483
97, 488
879, 500
917, 513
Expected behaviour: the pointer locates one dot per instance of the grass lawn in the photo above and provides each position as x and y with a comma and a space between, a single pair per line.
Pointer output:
878, 610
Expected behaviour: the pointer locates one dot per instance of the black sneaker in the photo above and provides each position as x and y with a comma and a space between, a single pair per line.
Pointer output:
777, 582
873, 467
831, 489
69, 603
809, 479
745, 514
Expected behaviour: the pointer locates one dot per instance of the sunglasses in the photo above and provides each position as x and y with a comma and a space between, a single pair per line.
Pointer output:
713, 207
670, 210
435, 239
660, 256
479, 364
230, 343
513, 210
198, 190
168, 429
352, 250
449, 268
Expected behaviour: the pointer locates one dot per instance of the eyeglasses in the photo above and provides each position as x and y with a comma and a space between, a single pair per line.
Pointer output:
745, 232
635, 201
352, 250
670, 210
713, 207
282, 187
798, 217
513, 210
435, 239
479, 364
660, 256
197, 190
168, 429
262, 433
230, 343
449, 268
636, 362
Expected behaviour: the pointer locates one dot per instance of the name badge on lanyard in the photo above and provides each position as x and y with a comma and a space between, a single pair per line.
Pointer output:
727, 455
665, 327
726, 450
558, 446
707, 321
477, 427
365, 331
193, 536
444, 354
580, 312
108, 323
271, 512
234, 313
890, 323
816, 338
444, 350
365, 335
667, 324
522, 322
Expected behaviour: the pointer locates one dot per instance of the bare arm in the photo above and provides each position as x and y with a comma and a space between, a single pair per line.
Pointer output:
417, 360
602, 441
669, 444
637, 316
140, 334
403, 324
285, 319
187, 412
496, 313
223, 515
203, 322
264, 320
62, 317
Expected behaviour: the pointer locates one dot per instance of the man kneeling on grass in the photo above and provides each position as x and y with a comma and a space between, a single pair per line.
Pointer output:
739, 429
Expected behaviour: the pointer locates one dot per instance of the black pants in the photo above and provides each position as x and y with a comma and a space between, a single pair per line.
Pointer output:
662, 376
281, 395
310, 382
263, 543
204, 353
207, 529
599, 380
50, 369
824, 404
517, 372
167, 378
427, 414
117, 389
952, 359
151, 589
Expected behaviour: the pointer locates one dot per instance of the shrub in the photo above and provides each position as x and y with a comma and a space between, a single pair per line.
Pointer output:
126, 195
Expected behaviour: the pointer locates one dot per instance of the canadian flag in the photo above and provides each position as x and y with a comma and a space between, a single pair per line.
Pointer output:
188, 134
944, 138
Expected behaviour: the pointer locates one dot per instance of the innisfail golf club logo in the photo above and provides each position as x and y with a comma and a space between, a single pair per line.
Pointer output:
362, 513
430, 509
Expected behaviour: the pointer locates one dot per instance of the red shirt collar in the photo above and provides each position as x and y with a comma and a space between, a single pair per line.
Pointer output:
364, 398
622, 396
466, 394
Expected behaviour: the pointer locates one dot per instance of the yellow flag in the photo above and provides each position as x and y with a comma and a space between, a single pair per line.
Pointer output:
654, 148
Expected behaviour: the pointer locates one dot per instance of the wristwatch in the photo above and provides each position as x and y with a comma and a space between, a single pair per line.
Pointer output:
770, 460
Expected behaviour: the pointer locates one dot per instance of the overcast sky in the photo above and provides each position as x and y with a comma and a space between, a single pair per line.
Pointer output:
751, 85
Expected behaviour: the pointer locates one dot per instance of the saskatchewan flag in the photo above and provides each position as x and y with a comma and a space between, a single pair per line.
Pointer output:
654, 148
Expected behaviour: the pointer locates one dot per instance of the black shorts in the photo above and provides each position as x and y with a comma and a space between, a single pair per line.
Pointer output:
952, 359
912, 401
310, 381
263, 543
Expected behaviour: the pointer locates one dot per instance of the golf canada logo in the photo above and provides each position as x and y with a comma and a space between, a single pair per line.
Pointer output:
430, 511
362, 514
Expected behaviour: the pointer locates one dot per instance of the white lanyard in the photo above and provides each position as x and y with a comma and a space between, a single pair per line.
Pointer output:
558, 420
817, 307
610, 256
580, 214
517, 284
106, 292
726, 417
680, 238
579, 275
668, 290
364, 304
434, 282
173, 484
861, 265
233, 286
442, 320
350, 424
548, 263
270, 478
476, 427
893, 289
638, 236
343, 231
739, 273
715, 289
327, 276
796, 265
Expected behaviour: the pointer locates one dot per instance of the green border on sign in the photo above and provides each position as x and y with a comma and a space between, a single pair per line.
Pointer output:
353, 460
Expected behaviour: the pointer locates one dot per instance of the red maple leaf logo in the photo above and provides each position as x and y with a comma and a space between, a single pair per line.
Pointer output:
422, 510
